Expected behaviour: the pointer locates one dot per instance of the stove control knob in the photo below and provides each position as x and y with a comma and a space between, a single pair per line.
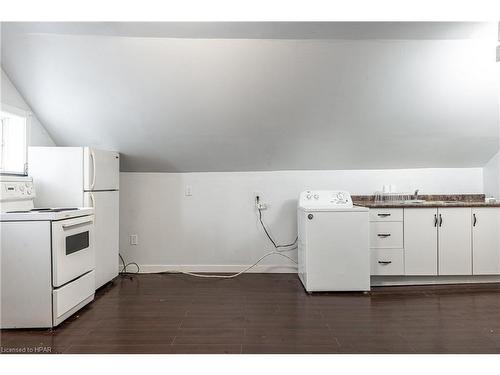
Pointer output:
28, 191
316, 196
308, 196
21, 188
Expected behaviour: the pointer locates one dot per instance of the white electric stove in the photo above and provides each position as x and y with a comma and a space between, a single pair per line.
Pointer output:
47, 258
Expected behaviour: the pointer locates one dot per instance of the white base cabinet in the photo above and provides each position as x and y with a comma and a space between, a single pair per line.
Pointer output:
437, 241
454, 241
421, 241
434, 242
485, 241
386, 242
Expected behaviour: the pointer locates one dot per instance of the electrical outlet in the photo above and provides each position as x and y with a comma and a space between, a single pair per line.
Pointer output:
188, 191
261, 206
259, 203
134, 239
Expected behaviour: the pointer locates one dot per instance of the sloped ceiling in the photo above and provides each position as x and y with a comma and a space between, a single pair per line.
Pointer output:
276, 96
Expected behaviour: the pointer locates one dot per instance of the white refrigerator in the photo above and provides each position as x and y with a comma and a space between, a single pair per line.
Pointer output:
82, 177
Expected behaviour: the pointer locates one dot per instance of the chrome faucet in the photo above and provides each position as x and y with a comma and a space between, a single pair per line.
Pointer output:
415, 195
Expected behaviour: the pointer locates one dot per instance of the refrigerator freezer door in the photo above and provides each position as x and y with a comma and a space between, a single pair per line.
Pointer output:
57, 175
106, 229
101, 170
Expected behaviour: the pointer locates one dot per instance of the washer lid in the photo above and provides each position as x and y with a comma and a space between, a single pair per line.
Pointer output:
326, 200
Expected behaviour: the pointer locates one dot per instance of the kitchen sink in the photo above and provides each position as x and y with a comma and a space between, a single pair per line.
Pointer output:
415, 201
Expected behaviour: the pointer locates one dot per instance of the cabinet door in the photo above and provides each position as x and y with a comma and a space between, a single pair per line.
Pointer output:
455, 241
421, 241
486, 241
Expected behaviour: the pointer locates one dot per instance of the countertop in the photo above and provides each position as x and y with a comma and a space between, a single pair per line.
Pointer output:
454, 200
427, 204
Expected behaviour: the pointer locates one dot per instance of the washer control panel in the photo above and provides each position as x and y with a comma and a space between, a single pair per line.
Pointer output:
326, 198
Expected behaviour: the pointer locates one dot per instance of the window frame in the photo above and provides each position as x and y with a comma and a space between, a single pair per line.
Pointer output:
16, 111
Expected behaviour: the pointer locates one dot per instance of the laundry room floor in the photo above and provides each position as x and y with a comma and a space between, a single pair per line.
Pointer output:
270, 313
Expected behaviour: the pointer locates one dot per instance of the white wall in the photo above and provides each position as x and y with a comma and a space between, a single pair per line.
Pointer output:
199, 105
491, 176
491, 169
216, 229
9, 95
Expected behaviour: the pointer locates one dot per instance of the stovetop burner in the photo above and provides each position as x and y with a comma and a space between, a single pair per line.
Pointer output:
54, 209
42, 210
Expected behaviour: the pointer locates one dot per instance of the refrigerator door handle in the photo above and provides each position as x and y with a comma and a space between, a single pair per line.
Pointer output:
92, 200
92, 156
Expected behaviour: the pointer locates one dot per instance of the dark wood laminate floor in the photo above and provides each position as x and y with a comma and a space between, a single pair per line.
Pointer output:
271, 313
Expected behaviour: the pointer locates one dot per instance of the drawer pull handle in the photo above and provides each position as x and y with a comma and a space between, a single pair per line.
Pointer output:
384, 215
384, 262
384, 235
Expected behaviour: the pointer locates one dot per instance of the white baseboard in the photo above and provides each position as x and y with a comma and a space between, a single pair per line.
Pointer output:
215, 268
432, 280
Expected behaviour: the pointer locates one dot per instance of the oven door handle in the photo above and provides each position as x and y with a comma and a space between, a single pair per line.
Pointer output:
69, 226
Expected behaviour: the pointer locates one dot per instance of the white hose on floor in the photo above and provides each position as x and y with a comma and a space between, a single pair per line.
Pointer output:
211, 276
239, 273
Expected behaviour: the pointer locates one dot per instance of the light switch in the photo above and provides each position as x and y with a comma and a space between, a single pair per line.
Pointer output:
188, 191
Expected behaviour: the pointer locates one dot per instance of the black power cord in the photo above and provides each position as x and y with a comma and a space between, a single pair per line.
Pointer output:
276, 246
125, 265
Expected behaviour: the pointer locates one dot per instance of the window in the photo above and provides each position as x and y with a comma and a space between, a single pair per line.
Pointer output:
13, 140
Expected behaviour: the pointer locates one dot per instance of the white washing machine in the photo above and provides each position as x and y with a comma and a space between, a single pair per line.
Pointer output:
334, 252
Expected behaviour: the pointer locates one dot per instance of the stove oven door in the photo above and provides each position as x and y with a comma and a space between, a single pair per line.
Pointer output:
72, 249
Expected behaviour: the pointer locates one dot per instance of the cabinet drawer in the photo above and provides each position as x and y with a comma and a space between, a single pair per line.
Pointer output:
386, 235
389, 214
387, 262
